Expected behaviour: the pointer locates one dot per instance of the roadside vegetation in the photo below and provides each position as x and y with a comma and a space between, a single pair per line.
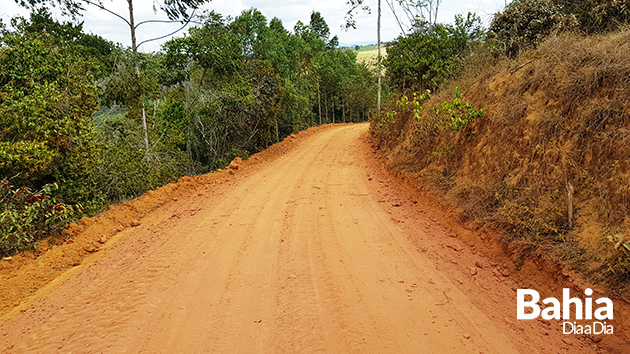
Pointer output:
87, 123
523, 126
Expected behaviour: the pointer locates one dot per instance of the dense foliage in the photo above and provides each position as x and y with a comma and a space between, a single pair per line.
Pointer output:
547, 75
26, 216
249, 83
427, 57
72, 138
46, 103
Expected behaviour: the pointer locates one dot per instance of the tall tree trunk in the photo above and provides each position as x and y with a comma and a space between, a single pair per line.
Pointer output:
343, 111
378, 31
132, 27
326, 106
134, 48
350, 113
333, 109
319, 99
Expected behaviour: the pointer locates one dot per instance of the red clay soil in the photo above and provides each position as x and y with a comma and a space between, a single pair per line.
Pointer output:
314, 250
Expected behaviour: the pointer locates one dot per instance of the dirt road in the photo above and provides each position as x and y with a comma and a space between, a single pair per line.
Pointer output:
311, 252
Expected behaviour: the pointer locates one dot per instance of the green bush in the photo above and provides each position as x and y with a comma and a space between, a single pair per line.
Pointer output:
27, 216
46, 103
425, 59
456, 114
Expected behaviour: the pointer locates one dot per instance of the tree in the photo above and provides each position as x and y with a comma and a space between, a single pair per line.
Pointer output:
424, 59
414, 9
176, 10
250, 27
47, 98
246, 84
354, 4
420, 12
40, 22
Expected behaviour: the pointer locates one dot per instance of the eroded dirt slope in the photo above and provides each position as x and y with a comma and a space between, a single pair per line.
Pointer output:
311, 252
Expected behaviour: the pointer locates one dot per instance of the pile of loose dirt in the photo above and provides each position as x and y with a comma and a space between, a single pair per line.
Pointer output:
24, 274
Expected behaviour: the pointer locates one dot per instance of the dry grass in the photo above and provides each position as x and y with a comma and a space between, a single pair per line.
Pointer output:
556, 118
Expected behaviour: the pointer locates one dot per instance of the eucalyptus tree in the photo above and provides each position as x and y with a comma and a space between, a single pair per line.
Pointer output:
418, 12
351, 23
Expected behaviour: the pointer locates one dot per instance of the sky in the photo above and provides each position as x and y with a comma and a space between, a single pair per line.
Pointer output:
289, 11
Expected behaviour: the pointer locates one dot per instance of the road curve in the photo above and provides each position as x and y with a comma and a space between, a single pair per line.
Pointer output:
296, 256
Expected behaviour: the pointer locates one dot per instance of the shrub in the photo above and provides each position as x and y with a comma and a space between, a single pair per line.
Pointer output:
47, 98
27, 216
425, 59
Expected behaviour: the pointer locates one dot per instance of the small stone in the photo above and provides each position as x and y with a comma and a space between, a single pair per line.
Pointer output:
596, 338
135, 222
69, 241
567, 341
505, 272
8, 259
478, 264
473, 271
466, 335
103, 239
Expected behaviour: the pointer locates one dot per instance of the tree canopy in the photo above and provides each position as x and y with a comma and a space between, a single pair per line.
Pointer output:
72, 102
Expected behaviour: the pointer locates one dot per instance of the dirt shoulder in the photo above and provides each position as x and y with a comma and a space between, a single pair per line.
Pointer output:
22, 275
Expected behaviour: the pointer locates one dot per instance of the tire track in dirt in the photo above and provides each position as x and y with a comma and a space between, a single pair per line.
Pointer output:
300, 255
